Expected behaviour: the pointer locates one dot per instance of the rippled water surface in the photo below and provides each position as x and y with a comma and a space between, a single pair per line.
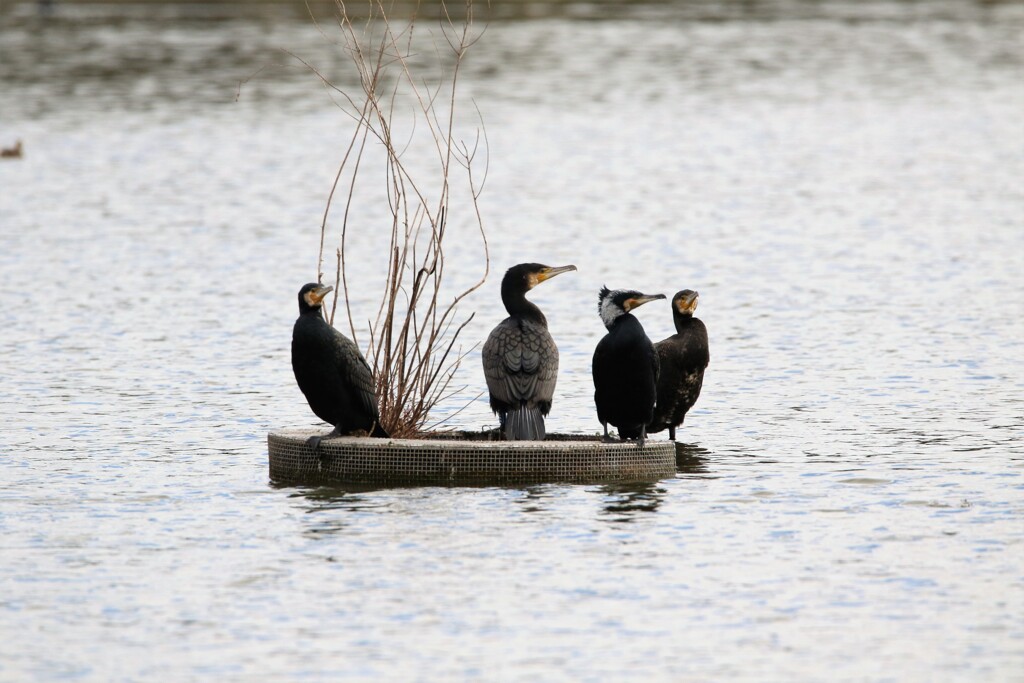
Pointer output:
840, 181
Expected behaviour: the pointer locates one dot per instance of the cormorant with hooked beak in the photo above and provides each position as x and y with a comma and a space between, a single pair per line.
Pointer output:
520, 357
683, 357
331, 372
625, 366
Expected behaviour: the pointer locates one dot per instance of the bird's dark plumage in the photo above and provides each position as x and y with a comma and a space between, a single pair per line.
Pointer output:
330, 370
683, 357
520, 358
625, 366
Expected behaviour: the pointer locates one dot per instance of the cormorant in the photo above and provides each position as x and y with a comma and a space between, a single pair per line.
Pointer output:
331, 372
683, 358
520, 357
625, 366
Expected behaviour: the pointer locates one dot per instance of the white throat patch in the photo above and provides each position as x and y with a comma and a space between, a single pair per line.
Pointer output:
609, 311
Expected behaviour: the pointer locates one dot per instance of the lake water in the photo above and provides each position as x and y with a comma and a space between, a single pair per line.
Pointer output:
842, 182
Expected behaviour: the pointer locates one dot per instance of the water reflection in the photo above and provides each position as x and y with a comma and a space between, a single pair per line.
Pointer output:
691, 459
535, 498
326, 494
628, 502
330, 508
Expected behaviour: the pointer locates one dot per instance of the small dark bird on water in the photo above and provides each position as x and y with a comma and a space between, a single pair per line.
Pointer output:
13, 152
625, 366
520, 357
683, 357
331, 372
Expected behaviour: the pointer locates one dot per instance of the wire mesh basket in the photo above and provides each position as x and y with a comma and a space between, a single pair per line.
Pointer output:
463, 459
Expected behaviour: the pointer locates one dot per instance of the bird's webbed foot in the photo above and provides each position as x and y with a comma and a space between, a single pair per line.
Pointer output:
314, 441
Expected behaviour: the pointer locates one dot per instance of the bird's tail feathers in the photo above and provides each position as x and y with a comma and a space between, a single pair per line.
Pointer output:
379, 432
525, 423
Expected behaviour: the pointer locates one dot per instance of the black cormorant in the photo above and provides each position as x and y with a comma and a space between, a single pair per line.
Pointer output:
331, 371
520, 357
625, 366
683, 358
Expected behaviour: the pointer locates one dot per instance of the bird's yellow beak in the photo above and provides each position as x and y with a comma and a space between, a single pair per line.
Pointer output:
687, 304
637, 301
548, 273
318, 294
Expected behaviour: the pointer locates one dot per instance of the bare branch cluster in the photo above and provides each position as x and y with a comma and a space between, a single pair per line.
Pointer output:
413, 339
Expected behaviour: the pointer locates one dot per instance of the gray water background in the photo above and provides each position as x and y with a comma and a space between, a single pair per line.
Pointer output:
842, 182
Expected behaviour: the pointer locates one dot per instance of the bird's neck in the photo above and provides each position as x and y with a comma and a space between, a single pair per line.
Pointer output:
682, 321
621, 321
519, 306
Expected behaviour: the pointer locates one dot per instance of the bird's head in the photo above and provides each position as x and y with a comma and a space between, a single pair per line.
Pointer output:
685, 302
311, 296
617, 302
526, 276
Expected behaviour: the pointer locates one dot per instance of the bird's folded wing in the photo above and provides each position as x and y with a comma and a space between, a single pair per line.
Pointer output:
519, 366
355, 372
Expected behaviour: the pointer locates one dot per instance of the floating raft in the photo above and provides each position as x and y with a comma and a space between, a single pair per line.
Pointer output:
463, 459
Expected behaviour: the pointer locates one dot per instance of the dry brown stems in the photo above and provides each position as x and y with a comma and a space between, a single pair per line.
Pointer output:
413, 345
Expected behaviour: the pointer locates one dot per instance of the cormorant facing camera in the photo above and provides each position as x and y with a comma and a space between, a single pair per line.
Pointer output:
331, 372
520, 357
683, 356
625, 366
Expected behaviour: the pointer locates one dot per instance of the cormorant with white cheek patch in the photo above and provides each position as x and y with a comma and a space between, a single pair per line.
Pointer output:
625, 366
331, 372
683, 357
520, 357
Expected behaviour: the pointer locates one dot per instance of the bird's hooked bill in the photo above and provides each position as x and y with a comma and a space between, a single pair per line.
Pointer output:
320, 292
549, 273
687, 302
641, 300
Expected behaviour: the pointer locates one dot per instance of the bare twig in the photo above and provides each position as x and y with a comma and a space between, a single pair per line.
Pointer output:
413, 343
